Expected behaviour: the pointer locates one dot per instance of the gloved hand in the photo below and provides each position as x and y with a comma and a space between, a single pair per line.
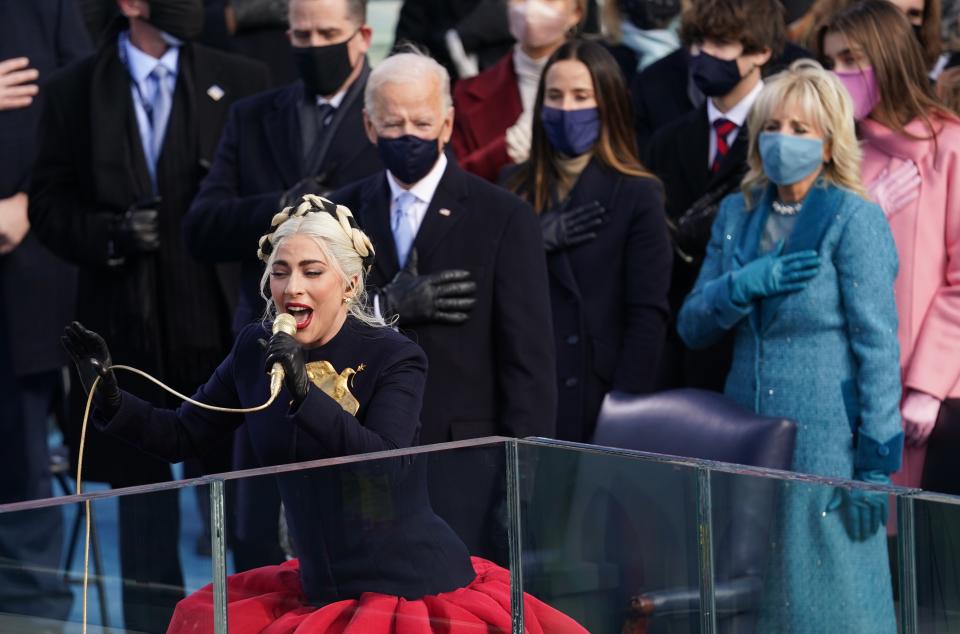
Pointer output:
89, 353
284, 349
773, 274
571, 227
443, 297
864, 512
309, 185
519, 138
895, 190
919, 411
138, 230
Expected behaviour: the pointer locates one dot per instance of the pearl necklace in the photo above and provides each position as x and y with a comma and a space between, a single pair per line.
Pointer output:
787, 209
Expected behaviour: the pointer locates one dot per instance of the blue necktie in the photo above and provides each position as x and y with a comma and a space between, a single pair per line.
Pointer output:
160, 105
403, 232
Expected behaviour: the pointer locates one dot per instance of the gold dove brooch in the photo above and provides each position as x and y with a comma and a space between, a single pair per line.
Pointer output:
336, 386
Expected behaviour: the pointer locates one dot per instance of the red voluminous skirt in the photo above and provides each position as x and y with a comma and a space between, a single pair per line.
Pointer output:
270, 600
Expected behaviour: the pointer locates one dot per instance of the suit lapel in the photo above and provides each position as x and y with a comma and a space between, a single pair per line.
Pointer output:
735, 160
374, 219
444, 212
695, 149
281, 127
118, 150
818, 211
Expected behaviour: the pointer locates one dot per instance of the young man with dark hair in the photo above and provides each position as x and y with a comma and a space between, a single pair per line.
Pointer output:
702, 156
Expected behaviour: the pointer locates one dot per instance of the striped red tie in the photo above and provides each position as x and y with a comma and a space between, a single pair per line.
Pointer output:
722, 128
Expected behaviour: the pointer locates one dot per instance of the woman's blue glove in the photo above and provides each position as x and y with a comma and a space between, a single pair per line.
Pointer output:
864, 512
773, 274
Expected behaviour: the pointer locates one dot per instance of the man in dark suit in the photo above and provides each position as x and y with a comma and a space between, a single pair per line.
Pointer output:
461, 263
127, 134
306, 137
705, 151
665, 91
36, 293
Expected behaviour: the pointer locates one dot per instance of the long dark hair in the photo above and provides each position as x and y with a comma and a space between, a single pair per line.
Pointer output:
616, 146
885, 35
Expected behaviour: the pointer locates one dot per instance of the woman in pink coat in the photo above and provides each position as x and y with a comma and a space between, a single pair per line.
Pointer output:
911, 163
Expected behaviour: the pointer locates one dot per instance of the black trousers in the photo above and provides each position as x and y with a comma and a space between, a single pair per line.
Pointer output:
31, 542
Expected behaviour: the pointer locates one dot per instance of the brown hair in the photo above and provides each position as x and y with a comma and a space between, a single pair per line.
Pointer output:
930, 44
882, 31
757, 24
616, 147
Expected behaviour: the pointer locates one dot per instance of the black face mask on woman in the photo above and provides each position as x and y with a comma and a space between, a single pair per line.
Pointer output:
323, 69
714, 76
183, 19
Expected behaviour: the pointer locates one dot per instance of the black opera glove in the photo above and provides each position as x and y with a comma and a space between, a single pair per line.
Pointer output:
444, 296
91, 356
564, 229
285, 350
137, 230
309, 185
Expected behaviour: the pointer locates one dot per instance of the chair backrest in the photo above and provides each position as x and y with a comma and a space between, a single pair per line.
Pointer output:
695, 424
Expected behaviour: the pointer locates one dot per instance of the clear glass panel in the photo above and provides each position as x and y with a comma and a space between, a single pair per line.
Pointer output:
134, 584
357, 533
801, 555
606, 539
937, 556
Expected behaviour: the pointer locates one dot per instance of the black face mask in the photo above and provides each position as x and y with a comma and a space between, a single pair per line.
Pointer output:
409, 158
649, 14
714, 76
917, 32
183, 19
324, 68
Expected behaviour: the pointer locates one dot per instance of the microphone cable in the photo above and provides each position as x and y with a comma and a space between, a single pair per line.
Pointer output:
283, 323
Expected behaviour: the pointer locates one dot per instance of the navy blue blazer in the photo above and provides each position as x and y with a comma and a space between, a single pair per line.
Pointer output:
52, 35
356, 528
259, 158
609, 298
493, 374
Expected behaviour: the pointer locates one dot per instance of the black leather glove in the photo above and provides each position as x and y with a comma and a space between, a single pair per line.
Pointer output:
284, 349
137, 230
92, 359
569, 228
444, 296
309, 185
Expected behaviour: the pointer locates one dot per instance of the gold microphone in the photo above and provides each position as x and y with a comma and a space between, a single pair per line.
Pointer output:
285, 322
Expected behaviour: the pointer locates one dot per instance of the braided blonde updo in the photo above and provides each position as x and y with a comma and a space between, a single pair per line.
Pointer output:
346, 247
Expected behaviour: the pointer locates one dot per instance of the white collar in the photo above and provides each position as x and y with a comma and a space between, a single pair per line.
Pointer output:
335, 100
141, 64
737, 114
526, 66
423, 189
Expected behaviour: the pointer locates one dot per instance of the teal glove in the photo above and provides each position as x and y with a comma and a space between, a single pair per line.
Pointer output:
864, 512
773, 274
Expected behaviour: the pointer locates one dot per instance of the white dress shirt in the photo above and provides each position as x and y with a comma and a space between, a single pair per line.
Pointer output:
737, 114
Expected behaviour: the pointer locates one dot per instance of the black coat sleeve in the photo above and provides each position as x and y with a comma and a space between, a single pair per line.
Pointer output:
222, 224
62, 216
390, 419
523, 330
649, 260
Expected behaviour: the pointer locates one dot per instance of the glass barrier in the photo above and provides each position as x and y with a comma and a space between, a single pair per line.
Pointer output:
132, 585
600, 539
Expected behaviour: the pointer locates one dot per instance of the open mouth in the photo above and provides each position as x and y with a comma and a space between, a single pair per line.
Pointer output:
303, 314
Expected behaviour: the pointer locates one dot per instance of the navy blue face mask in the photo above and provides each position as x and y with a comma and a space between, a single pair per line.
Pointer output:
714, 77
409, 158
571, 132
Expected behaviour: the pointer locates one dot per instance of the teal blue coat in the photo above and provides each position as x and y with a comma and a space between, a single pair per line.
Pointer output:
826, 357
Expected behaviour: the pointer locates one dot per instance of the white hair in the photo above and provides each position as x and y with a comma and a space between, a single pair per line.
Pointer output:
407, 67
339, 250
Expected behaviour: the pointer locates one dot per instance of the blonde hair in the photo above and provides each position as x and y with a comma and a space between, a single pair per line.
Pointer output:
345, 247
825, 104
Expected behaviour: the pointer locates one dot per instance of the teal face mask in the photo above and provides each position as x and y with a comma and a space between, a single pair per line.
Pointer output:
789, 159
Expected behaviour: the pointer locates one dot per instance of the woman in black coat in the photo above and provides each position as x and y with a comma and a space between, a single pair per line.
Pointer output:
369, 545
604, 231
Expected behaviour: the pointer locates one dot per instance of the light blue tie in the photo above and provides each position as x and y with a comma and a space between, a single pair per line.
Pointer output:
403, 232
160, 106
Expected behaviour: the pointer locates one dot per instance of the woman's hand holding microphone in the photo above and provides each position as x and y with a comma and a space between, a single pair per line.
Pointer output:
283, 349
90, 354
